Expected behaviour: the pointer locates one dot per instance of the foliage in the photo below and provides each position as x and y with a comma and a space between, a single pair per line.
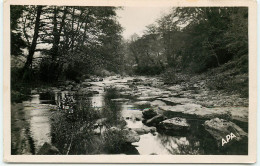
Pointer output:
230, 77
114, 141
72, 127
112, 110
193, 39
80, 39
17, 44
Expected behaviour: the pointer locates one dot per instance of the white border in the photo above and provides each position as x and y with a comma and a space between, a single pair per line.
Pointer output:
250, 158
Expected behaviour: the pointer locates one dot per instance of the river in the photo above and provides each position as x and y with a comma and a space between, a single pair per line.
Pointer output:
39, 108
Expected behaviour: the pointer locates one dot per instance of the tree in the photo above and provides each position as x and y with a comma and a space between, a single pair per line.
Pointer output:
32, 47
62, 36
17, 43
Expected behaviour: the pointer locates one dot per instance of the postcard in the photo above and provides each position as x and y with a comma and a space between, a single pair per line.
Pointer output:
130, 81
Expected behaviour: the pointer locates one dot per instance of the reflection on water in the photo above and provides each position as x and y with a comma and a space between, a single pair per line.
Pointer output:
132, 116
39, 122
150, 144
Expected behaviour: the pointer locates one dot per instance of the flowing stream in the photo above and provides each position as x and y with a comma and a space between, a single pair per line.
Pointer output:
38, 111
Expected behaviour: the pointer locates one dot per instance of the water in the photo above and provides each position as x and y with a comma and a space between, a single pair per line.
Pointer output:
39, 108
39, 120
38, 113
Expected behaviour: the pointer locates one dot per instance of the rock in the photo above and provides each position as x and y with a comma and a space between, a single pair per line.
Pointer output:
69, 87
144, 130
155, 120
138, 118
87, 80
142, 103
95, 92
237, 113
86, 84
94, 79
75, 88
176, 101
130, 136
101, 121
148, 113
147, 98
114, 129
120, 100
48, 149
33, 92
157, 83
176, 88
153, 154
198, 111
224, 132
68, 83
174, 124
137, 80
158, 103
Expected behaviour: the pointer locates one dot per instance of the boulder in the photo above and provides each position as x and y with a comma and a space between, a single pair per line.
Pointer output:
148, 113
174, 124
68, 83
87, 80
48, 149
138, 118
224, 132
144, 130
142, 103
137, 80
130, 136
69, 87
198, 111
95, 92
101, 122
154, 121
86, 84
176, 101
158, 103
120, 100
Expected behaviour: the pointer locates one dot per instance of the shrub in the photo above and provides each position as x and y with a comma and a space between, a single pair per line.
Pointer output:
112, 110
232, 84
72, 127
171, 76
113, 141
149, 70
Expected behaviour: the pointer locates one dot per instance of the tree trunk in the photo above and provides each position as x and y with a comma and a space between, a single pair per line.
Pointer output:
72, 28
32, 48
57, 33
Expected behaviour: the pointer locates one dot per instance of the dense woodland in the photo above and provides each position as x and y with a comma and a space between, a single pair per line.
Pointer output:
51, 43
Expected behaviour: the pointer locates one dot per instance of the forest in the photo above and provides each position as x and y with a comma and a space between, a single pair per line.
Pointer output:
50, 43
189, 59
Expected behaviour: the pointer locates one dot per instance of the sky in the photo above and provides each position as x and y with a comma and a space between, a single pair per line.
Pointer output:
135, 19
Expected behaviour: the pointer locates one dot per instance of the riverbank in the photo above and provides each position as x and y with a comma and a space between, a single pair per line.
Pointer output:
99, 114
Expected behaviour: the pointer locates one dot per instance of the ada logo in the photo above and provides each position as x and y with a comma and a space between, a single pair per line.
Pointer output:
229, 137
